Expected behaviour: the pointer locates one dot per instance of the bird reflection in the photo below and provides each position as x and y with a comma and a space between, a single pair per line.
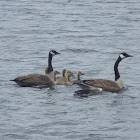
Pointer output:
86, 93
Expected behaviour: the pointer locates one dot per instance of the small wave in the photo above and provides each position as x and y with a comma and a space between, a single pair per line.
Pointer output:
75, 50
16, 136
85, 93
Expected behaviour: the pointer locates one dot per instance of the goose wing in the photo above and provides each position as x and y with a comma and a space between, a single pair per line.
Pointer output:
106, 85
33, 80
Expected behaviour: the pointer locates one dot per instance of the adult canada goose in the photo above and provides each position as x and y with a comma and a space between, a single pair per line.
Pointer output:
103, 84
35, 80
77, 81
39, 79
65, 80
49, 71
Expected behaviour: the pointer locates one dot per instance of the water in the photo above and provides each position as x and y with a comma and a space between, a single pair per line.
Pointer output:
89, 35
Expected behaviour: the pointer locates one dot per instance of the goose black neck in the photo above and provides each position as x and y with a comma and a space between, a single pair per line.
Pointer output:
117, 74
50, 68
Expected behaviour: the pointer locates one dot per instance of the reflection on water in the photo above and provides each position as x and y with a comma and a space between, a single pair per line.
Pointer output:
89, 35
86, 93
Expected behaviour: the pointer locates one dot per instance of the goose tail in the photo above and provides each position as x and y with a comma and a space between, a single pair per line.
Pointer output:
13, 80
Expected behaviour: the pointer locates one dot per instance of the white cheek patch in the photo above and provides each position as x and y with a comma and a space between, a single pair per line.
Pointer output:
53, 54
122, 56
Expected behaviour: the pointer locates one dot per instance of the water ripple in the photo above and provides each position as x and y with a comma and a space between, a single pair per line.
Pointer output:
90, 35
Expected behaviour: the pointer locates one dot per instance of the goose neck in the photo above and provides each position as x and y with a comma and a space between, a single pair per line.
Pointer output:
117, 74
68, 77
50, 68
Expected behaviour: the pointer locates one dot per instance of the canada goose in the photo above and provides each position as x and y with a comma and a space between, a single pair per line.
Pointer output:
38, 79
49, 71
63, 74
77, 81
65, 80
106, 85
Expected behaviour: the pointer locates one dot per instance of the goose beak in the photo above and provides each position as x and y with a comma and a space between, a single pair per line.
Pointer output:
57, 53
129, 55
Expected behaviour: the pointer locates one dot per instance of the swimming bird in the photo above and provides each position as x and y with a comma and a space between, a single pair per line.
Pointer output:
63, 74
55, 73
49, 71
69, 79
65, 80
68, 72
77, 81
103, 84
39, 79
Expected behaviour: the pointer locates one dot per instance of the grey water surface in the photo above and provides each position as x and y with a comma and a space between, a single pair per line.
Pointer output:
90, 35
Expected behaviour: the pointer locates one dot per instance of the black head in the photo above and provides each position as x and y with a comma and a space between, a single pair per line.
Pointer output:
124, 55
53, 52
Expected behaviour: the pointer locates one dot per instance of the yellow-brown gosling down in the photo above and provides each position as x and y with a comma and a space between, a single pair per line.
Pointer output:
77, 81
63, 74
55, 73
65, 80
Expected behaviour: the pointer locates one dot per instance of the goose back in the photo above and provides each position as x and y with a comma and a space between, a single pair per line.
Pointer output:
106, 85
33, 80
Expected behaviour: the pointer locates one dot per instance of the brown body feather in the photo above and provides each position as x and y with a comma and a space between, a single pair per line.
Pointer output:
33, 80
106, 85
